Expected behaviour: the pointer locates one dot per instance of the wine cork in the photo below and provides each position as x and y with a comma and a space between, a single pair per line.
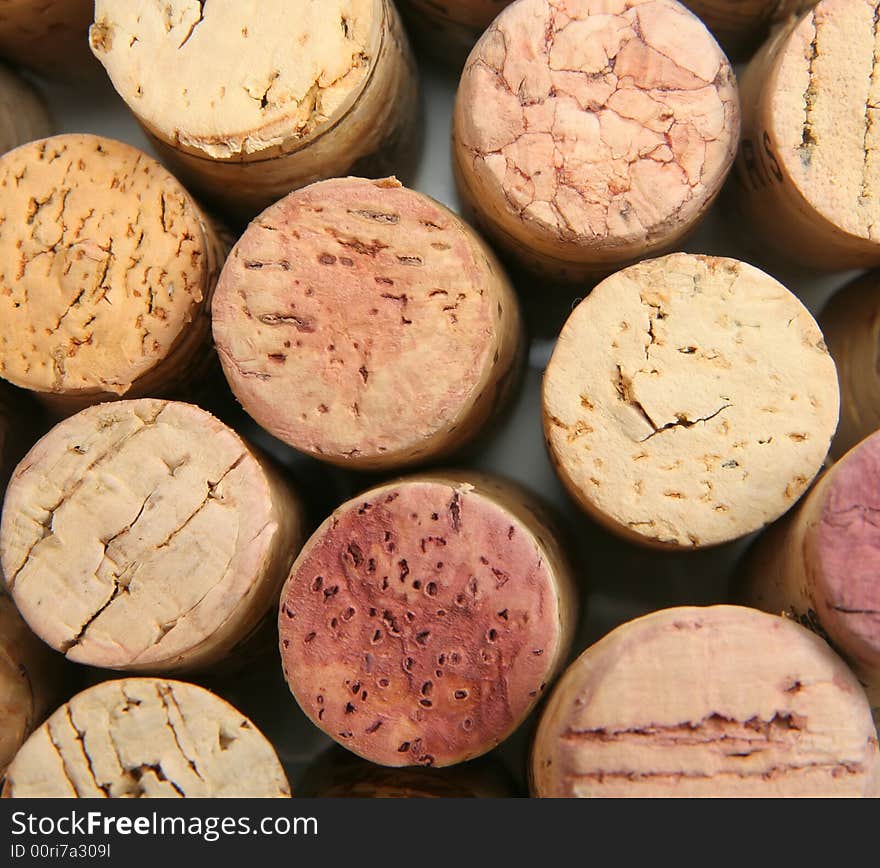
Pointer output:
23, 114
146, 536
689, 401
585, 139
146, 738
851, 325
246, 107
366, 325
423, 620
721, 701
108, 269
30, 676
806, 168
820, 565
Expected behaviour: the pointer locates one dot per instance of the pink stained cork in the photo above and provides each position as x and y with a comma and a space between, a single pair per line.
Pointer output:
423, 620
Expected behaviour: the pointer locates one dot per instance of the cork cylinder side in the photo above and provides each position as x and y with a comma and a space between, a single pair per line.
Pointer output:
707, 702
23, 113
241, 118
585, 140
689, 400
143, 738
146, 536
424, 619
365, 324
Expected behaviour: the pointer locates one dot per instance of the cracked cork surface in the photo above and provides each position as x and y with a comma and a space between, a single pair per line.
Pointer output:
146, 738
721, 701
23, 114
808, 168
337, 302
106, 276
424, 619
587, 135
145, 535
689, 400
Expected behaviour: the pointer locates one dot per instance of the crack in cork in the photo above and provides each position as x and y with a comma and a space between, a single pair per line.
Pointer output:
808, 138
864, 190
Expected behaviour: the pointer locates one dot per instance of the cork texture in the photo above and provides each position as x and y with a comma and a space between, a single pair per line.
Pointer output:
23, 114
146, 536
423, 620
337, 302
146, 738
721, 702
586, 138
689, 401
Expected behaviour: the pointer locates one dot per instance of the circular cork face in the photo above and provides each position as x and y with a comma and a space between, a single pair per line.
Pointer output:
822, 113
133, 531
17, 702
146, 738
723, 701
219, 79
598, 130
420, 624
103, 265
689, 400
355, 320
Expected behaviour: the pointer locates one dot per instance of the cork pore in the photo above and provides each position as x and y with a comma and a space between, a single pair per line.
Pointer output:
134, 531
231, 80
658, 708
420, 624
600, 130
146, 738
104, 265
689, 400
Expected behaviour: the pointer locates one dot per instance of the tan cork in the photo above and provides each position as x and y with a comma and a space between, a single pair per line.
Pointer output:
580, 144
423, 620
146, 738
807, 168
146, 536
107, 272
246, 107
721, 701
23, 114
689, 401
365, 324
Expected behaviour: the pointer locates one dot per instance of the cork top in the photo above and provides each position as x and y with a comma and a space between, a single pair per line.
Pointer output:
232, 80
689, 400
104, 265
822, 111
354, 320
146, 738
133, 531
601, 125
719, 701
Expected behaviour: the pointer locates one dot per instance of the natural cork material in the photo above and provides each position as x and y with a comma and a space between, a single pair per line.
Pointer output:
142, 738
146, 536
23, 114
365, 324
106, 273
722, 702
246, 107
30, 676
424, 619
689, 401
808, 168
821, 565
851, 325
583, 141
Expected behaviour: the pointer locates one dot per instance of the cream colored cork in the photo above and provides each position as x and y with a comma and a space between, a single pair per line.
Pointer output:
423, 620
689, 401
146, 536
23, 114
106, 273
365, 324
721, 702
587, 136
807, 168
30, 676
146, 738
248, 101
